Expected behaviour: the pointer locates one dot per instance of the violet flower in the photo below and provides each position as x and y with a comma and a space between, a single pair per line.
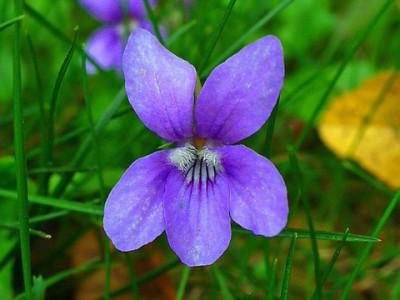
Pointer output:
194, 190
106, 45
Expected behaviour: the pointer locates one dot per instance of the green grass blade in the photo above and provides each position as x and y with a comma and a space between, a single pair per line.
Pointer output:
364, 255
314, 245
223, 285
57, 33
20, 160
10, 22
84, 148
321, 103
43, 116
178, 33
272, 280
58, 203
97, 146
132, 277
149, 276
153, 20
319, 235
182, 284
330, 266
357, 170
240, 41
32, 231
48, 154
288, 269
216, 36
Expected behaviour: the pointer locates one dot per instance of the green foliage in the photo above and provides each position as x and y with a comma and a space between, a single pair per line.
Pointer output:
79, 133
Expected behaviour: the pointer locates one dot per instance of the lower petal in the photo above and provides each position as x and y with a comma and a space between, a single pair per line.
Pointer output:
258, 199
197, 218
133, 213
105, 46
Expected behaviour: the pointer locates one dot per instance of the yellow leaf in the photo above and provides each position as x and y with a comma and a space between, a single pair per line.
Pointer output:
364, 125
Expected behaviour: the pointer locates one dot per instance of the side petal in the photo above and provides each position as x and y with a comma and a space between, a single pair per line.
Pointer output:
137, 9
104, 10
197, 219
159, 85
258, 199
239, 95
133, 213
105, 46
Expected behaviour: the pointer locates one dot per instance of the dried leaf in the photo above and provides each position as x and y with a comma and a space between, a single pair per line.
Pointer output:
364, 125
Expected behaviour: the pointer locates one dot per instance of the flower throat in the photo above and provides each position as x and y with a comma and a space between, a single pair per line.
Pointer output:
196, 161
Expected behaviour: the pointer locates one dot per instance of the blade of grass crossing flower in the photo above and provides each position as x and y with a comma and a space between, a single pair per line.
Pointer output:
239, 42
58, 33
20, 160
330, 265
359, 40
134, 285
270, 131
320, 235
365, 253
182, 283
11, 22
96, 146
216, 36
48, 154
314, 245
288, 269
84, 148
222, 283
153, 20
272, 280
58, 203
181, 31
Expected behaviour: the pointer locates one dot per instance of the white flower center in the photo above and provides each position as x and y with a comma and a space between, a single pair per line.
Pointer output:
197, 164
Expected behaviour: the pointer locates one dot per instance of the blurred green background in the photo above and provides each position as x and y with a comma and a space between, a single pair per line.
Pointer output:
318, 37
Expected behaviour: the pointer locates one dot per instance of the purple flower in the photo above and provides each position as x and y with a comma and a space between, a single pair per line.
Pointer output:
106, 45
194, 190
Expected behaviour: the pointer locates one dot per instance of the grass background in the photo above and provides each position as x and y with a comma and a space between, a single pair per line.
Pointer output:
66, 139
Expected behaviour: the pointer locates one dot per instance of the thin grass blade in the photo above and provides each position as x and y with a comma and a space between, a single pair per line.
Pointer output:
216, 36
364, 255
223, 285
288, 269
20, 160
182, 283
240, 41
153, 20
11, 22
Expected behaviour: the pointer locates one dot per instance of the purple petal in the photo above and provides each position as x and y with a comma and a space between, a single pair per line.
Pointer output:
105, 46
197, 219
239, 95
133, 213
137, 8
159, 86
258, 199
104, 10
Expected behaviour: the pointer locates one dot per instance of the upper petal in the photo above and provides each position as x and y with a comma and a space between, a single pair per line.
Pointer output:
159, 86
239, 95
105, 46
197, 219
133, 213
104, 10
258, 199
